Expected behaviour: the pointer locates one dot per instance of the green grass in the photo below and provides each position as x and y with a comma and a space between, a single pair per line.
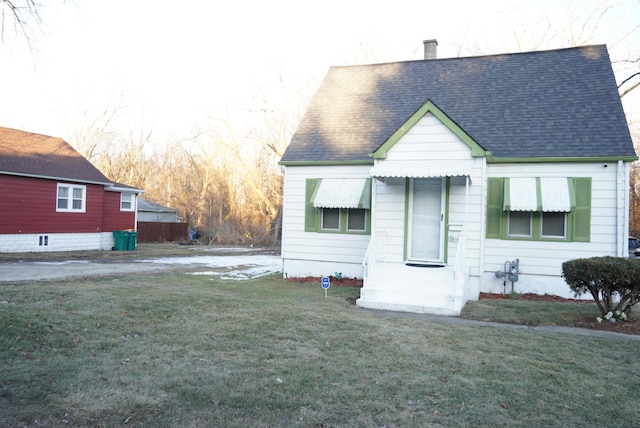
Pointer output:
515, 311
190, 351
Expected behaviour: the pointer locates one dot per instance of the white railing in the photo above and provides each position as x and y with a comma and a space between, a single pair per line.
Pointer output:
376, 252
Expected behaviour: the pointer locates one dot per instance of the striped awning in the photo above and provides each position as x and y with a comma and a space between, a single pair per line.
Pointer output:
554, 194
343, 193
423, 168
547, 194
521, 194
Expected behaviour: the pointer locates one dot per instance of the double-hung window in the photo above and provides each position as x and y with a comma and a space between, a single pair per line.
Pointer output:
126, 201
331, 219
71, 198
539, 208
338, 205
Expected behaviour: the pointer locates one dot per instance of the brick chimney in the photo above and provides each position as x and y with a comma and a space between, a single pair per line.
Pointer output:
430, 49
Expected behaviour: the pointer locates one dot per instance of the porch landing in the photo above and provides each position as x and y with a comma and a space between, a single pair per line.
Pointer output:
418, 289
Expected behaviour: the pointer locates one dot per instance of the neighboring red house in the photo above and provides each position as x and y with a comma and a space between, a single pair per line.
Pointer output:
53, 199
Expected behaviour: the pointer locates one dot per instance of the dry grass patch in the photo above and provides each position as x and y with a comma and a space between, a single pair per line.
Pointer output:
169, 350
535, 310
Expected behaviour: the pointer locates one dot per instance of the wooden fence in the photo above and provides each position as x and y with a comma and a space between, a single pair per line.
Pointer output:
162, 232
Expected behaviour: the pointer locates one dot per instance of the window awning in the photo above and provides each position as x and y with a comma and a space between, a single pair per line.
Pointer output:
547, 194
423, 168
555, 194
349, 193
520, 194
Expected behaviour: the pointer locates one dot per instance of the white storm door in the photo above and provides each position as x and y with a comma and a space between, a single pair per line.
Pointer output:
426, 220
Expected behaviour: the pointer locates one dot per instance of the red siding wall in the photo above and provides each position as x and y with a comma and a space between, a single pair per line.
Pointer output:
28, 205
113, 218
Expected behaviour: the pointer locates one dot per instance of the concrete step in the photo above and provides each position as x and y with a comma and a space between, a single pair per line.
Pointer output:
398, 287
452, 309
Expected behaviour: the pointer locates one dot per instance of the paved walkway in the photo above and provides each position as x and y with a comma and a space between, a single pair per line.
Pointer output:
48, 271
547, 328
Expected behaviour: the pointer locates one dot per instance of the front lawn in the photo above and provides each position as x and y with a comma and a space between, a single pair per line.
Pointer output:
169, 350
535, 310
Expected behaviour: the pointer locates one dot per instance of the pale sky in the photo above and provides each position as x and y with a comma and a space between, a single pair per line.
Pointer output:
175, 63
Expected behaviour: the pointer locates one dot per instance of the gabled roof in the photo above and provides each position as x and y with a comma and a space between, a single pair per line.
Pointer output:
547, 104
35, 155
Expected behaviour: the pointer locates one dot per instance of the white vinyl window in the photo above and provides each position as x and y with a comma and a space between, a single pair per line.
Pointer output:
357, 220
519, 224
126, 202
71, 198
553, 225
330, 219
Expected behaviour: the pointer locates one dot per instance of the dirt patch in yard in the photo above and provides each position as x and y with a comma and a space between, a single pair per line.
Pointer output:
343, 282
530, 296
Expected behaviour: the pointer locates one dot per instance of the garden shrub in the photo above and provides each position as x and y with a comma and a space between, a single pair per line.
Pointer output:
614, 283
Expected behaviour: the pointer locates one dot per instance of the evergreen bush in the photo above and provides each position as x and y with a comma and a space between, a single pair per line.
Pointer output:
613, 282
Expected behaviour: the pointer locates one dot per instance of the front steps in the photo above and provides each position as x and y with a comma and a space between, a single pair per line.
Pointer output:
398, 287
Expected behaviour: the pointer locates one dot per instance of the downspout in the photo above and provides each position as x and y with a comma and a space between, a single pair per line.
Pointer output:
466, 200
622, 216
483, 221
135, 210
284, 220
374, 187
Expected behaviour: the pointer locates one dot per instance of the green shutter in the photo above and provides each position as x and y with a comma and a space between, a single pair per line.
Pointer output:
495, 189
310, 212
581, 215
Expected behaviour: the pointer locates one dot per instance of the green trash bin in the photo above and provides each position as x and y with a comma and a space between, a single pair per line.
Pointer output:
120, 239
132, 238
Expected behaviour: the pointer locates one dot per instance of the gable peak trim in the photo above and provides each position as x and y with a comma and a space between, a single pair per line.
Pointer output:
429, 107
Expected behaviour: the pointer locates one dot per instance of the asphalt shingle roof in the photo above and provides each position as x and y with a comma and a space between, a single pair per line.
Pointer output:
146, 205
558, 103
36, 155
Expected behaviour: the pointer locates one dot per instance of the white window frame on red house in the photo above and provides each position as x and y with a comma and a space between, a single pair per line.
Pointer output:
124, 201
71, 198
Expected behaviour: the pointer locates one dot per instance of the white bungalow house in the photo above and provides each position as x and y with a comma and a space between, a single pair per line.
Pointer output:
438, 179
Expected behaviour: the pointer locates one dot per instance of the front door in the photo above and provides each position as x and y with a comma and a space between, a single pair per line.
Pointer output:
426, 220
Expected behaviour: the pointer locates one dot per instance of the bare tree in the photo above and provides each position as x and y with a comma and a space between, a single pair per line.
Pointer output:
21, 18
632, 86
93, 133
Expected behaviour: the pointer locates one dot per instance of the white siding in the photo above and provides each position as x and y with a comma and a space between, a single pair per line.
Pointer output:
388, 216
541, 262
429, 139
470, 216
162, 217
316, 254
